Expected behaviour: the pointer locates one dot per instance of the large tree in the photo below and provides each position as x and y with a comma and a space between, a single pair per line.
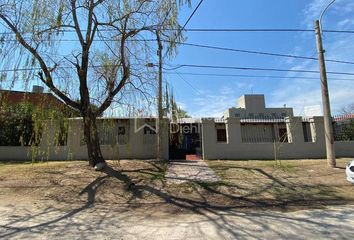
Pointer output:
92, 50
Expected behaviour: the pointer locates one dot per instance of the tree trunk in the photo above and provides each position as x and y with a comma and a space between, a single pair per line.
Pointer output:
92, 140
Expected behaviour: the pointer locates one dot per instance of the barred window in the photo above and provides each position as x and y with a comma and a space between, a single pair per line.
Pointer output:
221, 135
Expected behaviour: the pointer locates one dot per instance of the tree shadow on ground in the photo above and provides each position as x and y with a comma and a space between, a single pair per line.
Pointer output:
90, 190
202, 206
218, 214
248, 199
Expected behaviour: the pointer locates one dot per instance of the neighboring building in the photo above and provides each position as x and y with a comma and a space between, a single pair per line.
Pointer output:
22, 114
36, 98
253, 106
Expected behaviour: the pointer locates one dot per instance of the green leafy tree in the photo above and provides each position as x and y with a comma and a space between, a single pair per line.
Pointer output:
348, 131
177, 112
22, 124
92, 50
344, 130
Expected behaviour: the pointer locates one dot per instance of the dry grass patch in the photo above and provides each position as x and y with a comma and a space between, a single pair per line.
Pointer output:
291, 182
244, 184
70, 181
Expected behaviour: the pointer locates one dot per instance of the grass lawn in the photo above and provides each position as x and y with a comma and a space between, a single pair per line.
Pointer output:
244, 184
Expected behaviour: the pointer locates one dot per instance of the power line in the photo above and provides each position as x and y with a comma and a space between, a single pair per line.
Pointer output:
21, 69
261, 53
190, 17
252, 69
219, 48
185, 24
247, 30
205, 29
188, 83
217, 30
59, 67
260, 30
202, 66
254, 76
339, 31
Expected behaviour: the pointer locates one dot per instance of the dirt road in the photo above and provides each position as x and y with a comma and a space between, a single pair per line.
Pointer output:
117, 222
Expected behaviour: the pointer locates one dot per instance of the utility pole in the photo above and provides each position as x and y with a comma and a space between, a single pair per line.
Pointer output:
330, 151
159, 99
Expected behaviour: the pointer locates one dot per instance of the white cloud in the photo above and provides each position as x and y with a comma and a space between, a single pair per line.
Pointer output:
345, 23
182, 105
214, 103
343, 7
312, 11
297, 93
302, 93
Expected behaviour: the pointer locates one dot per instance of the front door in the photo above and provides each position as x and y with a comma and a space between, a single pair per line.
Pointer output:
185, 141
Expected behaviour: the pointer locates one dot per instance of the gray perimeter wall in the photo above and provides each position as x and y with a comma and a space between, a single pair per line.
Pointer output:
296, 148
136, 148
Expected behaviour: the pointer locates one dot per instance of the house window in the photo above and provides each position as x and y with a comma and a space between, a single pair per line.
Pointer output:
221, 135
121, 131
274, 115
283, 134
306, 128
62, 137
251, 115
113, 132
283, 114
237, 115
149, 135
257, 133
261, 115
122, 136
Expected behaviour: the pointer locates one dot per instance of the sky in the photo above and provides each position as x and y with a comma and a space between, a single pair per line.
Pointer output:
211, 95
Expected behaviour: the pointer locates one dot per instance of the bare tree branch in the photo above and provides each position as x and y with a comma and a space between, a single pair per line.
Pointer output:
48, 78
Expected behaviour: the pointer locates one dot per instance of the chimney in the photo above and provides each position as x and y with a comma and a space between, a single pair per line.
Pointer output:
37, 89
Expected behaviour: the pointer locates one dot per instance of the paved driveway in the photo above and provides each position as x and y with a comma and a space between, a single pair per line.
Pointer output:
113, 222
